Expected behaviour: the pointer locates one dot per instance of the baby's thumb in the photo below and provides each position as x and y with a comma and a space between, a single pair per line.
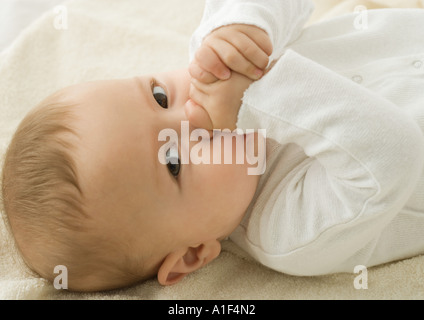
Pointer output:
197, 115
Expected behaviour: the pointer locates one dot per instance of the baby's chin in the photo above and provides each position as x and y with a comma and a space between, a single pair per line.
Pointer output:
242, 198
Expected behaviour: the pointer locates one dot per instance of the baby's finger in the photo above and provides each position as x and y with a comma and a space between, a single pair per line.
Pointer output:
236, 61
197, 95
201, 75
259, 36
250, 50
201, 89
197, 115
208, 60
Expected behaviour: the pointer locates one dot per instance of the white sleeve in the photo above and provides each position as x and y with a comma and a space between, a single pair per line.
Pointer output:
365, 158
283, 20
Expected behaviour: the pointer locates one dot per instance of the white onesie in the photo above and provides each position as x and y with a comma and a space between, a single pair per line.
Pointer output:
343, 109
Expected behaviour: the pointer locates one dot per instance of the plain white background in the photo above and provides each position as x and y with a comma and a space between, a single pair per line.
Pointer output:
16, 15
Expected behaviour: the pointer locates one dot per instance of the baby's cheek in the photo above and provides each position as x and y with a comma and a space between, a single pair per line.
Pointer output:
223, 169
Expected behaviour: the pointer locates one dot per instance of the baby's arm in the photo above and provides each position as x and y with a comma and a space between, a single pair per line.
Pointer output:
216, 105
238, 47
237, 35
282, 20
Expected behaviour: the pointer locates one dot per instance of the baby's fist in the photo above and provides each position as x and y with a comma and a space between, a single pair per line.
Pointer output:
216, 105
241, 48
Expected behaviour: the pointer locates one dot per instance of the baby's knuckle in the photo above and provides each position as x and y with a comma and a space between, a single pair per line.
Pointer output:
263, 62
267, 44
198, 57
201, 53
231, 58
216, 65
193, 69
192, 92
208, 40
202, 76
248, 70
248, 49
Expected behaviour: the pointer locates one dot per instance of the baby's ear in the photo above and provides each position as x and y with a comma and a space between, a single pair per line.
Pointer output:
180, 263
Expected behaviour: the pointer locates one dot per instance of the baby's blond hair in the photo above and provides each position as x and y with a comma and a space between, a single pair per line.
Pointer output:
45, 208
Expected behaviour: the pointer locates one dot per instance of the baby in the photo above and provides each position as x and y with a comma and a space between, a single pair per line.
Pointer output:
88, 184
83, 187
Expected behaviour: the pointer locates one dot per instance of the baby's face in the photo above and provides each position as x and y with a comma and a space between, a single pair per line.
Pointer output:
130, 192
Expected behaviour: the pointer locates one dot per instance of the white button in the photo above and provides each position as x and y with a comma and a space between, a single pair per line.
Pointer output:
417, 64
357, 79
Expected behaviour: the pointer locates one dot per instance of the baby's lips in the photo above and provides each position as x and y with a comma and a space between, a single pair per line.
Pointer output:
198, 116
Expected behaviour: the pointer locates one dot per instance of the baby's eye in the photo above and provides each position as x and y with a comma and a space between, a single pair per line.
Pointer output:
173, 161
160, 96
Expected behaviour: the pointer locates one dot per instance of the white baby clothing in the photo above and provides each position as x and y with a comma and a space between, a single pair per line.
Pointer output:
343, 109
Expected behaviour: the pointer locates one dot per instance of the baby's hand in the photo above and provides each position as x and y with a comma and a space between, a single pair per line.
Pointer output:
227, 62
216, 105
242, 48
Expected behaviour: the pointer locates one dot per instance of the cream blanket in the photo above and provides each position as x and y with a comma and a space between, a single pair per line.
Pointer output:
114, 39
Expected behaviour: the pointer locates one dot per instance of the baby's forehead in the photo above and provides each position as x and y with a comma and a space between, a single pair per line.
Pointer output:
82, 91
114, 160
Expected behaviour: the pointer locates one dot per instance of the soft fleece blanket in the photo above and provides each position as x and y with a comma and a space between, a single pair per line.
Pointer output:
114, 39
